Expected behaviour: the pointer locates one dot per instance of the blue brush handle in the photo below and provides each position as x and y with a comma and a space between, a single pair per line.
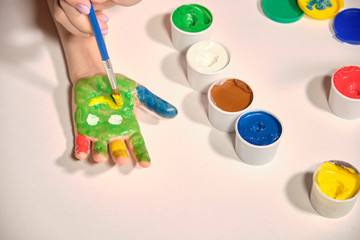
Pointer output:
98, 35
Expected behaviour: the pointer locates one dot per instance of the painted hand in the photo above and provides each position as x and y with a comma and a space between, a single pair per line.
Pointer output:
103, 123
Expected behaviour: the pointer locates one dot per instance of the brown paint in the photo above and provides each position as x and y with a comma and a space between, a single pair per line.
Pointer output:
232, 96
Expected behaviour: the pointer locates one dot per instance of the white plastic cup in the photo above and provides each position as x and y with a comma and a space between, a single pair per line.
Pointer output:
223, 120
327, 206
199, 79
255, 154
341, 105
182, 40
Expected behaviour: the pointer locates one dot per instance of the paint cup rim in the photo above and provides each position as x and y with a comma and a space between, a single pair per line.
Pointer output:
219, 82
191, 33
338, 92
326, 196
253, 145
209, 73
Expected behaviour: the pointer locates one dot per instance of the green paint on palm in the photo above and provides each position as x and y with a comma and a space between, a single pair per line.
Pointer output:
93, 121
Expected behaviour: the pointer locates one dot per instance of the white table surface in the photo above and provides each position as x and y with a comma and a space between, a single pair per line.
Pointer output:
196, 187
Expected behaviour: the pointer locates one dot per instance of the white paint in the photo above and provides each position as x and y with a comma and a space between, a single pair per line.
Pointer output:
208, 56
92, 119
115, 119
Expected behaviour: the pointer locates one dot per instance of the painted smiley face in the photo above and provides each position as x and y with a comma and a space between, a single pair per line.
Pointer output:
98, 116
114, 119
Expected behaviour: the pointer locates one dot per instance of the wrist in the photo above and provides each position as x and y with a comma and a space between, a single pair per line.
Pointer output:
82, 55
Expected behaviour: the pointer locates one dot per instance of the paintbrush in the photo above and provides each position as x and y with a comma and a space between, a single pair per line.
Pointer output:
104, 55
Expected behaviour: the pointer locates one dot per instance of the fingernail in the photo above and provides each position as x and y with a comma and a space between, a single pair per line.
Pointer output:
83, 9
104, 18
104, 32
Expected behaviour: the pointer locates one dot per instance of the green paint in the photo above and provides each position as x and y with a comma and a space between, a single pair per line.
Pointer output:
192, 18
138, 143
100, 147
97, 86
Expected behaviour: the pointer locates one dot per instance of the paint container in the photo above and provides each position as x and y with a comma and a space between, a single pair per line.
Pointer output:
344, 97
207, 62
257, 137
346, 25
282, 11
320, 9
327, 206
190, 24
228, 99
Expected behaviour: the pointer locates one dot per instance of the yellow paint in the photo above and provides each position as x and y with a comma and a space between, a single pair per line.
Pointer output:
117, 99
118, 149
108, 100
327, 13
337, 182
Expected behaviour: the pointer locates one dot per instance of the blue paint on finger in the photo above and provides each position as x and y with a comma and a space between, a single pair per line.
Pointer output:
154, 103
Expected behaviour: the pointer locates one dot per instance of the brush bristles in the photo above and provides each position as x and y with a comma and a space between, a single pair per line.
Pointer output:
116, 92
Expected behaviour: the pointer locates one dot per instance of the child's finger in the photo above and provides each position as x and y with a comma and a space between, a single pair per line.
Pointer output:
119, 152
82, 144
79, 20
82, 6
102, 17
154, 103
61, 17
138, 148
100, 152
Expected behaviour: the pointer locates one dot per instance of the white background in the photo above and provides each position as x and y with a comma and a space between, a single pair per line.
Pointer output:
196, 187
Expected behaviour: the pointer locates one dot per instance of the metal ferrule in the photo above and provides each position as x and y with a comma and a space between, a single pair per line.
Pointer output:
110, 73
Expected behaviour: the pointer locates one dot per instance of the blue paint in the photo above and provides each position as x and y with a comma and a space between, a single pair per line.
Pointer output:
347, 24
259, 128
319, 4
154, 103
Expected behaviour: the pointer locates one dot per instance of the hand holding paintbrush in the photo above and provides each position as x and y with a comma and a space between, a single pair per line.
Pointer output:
104, 55
73, 14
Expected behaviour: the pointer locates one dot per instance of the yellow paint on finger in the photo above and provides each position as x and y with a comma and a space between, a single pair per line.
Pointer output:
108, 100
118, 149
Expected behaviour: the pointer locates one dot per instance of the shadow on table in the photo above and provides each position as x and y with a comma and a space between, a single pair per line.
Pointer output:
195, 107
88, 166
174, 68
318, 91
21, 41
159, 29
331, 29
223, 143
259, 7
298, 191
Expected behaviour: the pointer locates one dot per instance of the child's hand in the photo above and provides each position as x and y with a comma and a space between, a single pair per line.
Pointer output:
104, 124
72, 14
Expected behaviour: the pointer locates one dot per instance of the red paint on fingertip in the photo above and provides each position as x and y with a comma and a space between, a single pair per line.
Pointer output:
82, 144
